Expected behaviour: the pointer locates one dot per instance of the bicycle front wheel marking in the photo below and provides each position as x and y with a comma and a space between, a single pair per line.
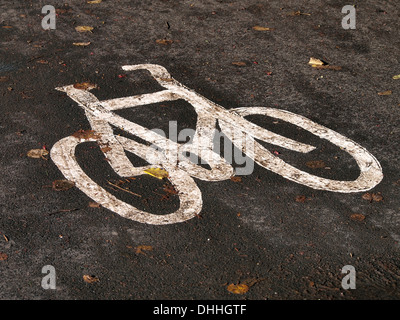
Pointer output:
370, 169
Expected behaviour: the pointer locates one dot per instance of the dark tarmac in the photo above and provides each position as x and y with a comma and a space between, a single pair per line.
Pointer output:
281, 239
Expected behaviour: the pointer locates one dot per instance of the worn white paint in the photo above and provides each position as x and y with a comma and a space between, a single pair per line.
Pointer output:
181, 170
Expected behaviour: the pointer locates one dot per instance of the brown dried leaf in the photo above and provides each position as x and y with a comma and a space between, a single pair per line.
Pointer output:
37, 153
106, 149
301, 199
357, 217
372, 196
81, 44
298, 13
85, 86
377, 197
141, 248
239, 63
90, 279
94, 204
62, 185
164, 41
86, 134
240, 288
259, 28
316, 164
84, 28
236, 179
385, 93
3, 256
169, 189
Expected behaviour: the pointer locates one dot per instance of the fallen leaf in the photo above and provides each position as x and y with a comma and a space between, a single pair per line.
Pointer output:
85, 86
236, 179
82, 44
94, 204
84, 28
301, 199
357, 217
141, 248
372, 196
3, 79
94, 1
169, 189
316, 164
106, 149
157, 172
385, 93
90, 279
259, 28
396, 77
367, 196
239, 63
164, 41
7, 27
86, 134
37, 153
316, 62
240, 288
298, 13
377, 197
62, 185
3, 256
42, 61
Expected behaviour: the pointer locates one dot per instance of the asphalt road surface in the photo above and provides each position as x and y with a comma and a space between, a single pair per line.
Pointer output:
259, 236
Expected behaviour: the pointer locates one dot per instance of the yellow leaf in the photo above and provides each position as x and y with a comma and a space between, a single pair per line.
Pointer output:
84, 28
82, 44
157, 172
315, 62
90, 279
85, 86
385, 93
164, 41
37, 153
396, 77
94, 1
141, 248
259, 28
240, 288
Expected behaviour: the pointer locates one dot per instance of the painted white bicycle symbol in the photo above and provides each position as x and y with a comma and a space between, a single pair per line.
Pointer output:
101, 118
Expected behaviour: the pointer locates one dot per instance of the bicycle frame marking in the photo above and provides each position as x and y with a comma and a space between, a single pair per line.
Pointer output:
232, 122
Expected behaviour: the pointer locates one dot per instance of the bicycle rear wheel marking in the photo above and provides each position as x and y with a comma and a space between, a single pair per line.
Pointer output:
101, 118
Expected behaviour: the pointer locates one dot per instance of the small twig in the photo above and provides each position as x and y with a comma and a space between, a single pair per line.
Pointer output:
123, 189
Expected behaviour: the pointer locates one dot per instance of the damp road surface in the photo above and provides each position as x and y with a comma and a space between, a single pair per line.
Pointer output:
278, 231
